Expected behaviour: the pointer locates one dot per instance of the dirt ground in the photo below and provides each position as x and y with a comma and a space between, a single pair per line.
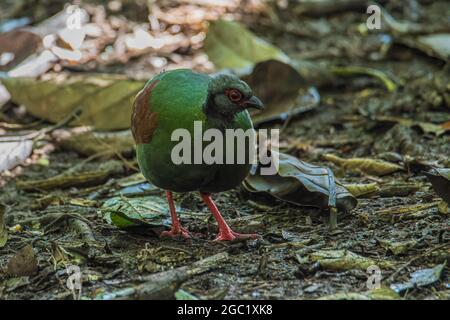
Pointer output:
66, 226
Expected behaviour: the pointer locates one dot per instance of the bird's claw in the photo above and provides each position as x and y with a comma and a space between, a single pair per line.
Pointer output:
176, 232
230, 235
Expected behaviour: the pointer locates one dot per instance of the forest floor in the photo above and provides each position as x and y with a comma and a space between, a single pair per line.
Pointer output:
400, 228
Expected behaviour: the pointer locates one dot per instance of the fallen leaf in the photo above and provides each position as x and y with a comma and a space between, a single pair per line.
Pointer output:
35, 65
52, 199
131, 212
432, 43
446, 125
300, 183
56, 97
4, 95
443, 207
345, 260
385, 79
12, 284
440, 180
397, 247
293, 237
79, 179
345, 296
359, 190
382, 293
23, 263
139, 189
131, 180
366, 165
13, 151
420, 278
230, 45
404, 212
283, 98
18, 44
426, 127
87, 142
436, 45
59, 20
398, 189
141, 42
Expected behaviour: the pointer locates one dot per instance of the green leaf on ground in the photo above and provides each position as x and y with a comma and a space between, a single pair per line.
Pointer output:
131, 212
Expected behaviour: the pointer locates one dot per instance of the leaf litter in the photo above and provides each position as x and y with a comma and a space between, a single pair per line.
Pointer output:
379, 124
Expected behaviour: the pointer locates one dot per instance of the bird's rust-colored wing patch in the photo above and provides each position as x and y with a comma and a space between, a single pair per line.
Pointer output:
143, 120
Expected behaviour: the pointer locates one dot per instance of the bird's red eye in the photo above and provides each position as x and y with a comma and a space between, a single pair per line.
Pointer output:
234, 95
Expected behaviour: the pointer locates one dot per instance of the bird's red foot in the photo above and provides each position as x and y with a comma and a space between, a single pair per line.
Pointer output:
176, 232
230, 235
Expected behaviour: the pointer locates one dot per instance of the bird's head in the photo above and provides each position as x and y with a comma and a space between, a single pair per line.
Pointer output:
228, 95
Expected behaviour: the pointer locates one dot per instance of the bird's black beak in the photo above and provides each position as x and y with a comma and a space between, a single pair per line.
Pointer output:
254, 102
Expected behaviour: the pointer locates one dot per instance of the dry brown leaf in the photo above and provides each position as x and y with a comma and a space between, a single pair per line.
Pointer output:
345, 260
23, 263
397, 247
366, 165
360, 189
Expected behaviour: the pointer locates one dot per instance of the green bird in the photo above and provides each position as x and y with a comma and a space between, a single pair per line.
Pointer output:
175, 100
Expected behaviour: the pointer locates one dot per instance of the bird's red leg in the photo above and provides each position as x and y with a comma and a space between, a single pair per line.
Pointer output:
225, 232
177, 229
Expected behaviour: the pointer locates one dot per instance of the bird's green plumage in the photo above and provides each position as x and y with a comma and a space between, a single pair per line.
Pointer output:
178, 98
